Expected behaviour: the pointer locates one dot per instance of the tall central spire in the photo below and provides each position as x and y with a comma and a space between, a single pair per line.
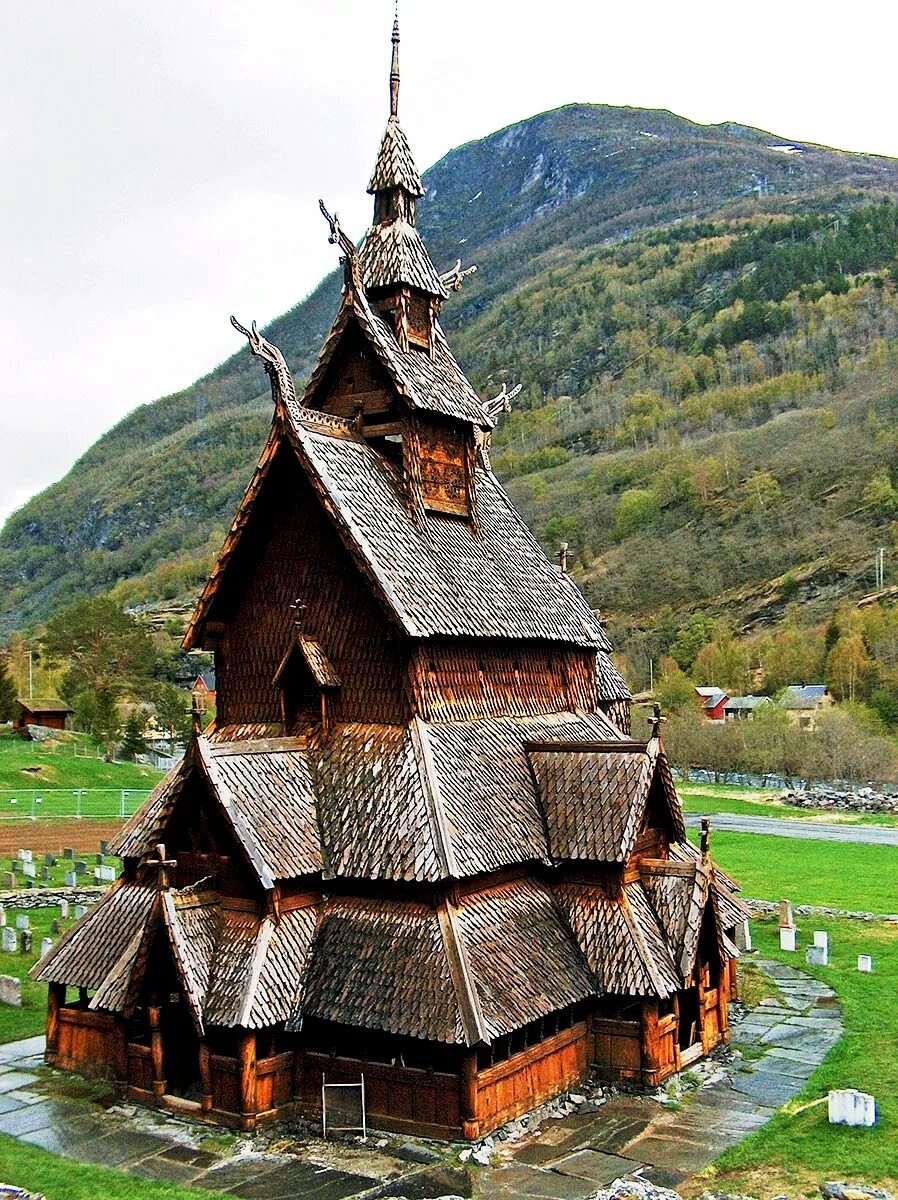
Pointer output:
394, 70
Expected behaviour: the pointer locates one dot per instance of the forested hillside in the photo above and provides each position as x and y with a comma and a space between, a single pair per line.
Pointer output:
704, 322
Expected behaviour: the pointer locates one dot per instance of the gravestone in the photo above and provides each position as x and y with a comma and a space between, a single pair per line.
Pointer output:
55, 927
8, 939
80, 867
50, 860
26, 856
788, 938
11, 991
46, 943
99, 860
14, 865
9, 880
865, 963
80, 910
106, 874
71, 879
22, 921
847, 1106
29, 883
743, 935
816, 956
26, 941
104, 847
2, 915
45, 874
821, 938
787, 920
68, 853
63, 907
29, 870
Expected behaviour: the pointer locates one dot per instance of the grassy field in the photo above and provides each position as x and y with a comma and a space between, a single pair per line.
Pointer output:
798, 1150
27, 768
61, 1179
752, 802
832, 874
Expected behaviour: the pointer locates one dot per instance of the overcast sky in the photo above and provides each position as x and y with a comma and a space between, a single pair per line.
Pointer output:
162, 159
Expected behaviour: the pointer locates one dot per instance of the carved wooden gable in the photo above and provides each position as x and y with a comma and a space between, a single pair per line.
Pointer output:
443, 467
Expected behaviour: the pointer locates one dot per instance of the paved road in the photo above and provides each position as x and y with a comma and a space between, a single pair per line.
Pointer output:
870, 835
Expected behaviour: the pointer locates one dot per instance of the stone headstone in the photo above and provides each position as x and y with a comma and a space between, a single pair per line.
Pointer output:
8, 939
50, 860
22, 921
104, 847
27, 941
2, 915
63, 908
29, 883
743, 935
55, 927
788, 938
45, 874
787, 920
29, 870
9, 880
99, 860
847, 1106
71, 879
816, 956
46, 943
106, 874
80, 867
821, 938
10, 990
68, 853
80, 910
865, 963
26, 856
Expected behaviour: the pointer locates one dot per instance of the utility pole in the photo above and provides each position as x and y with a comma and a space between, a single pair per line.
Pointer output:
30, 676
651, 674
882, 567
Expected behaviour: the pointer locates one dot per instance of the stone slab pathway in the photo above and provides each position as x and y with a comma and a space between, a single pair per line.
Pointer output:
568, 1159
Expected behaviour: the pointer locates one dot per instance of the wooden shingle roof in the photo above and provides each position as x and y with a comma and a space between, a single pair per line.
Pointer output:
393, 252
395, 166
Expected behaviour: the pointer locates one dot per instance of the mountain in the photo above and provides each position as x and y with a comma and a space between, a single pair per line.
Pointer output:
703, 318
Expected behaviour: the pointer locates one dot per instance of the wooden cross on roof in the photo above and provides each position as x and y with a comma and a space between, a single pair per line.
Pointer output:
656, 720
162, 864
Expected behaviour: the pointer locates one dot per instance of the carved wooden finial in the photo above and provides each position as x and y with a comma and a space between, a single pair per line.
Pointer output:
196, 718
656, 720
394, 67
705, 844
299, 607
563, 556
455, 276
162, 864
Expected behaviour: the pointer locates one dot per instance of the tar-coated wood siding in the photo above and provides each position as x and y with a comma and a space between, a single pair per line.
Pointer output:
292, 553
458, 680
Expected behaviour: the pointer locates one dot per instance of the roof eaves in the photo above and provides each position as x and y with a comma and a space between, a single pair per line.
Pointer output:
243, 833
473, 1024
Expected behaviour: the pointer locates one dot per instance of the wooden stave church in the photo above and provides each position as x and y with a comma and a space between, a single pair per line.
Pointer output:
418, 842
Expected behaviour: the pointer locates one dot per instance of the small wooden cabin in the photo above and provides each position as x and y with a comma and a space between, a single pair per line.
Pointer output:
419, 843
50, 713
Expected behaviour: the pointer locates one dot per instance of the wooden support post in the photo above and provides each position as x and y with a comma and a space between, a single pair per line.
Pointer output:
155, 1015
651, 1061
248, 1079
467, 1082
205, 1077
701, 976
55, 1001
676, 1007
83, 998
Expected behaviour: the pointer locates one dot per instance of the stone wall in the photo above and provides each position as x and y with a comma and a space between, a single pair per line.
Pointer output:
864, 800
50, 897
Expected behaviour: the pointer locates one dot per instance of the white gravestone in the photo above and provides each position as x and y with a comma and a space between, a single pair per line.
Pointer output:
865, 963
71, 879
29, 870
25, 856
22, 922
106, 874
80, 910
816, 956
9, 940
46, 943
2, 915
11, 990
63, 908
788, 938
847, 1106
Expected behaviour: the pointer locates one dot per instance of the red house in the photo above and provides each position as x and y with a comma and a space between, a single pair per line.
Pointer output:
713, 702
52, 714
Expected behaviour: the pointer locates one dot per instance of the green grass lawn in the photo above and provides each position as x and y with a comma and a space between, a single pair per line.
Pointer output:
61, 1179
32, 769
832, 874
797, 1151
751, 802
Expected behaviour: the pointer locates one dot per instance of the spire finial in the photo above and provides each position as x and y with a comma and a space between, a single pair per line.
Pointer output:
394, 66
